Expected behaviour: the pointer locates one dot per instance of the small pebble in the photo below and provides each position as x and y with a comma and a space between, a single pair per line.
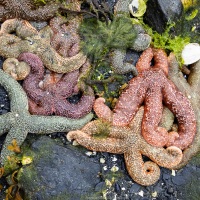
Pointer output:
141, 193
117, 188
114, 169
154, 194
105, 168
170, 190
173, 172
114, 159
102, 160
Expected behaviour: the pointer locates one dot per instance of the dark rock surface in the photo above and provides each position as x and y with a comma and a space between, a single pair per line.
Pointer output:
159, 12
58, 172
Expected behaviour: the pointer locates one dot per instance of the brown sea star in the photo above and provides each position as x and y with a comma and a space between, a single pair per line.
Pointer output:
189, 87
26, 10
153, 88
27, 39
65, 39
18, 70
128, 141
52, 99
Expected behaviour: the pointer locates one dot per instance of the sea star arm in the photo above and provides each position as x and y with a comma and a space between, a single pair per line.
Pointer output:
167, 119
102, 110
16, 133
21, 27
84, 106
154, 135
118, 65
160, 59
168, 158
10, 45
90, 137
23, 9
49, 124
184, 112
194, 77
40, 46
15, 92
144, 173
55, 62
129, 101
44, 106
6, 122
111, 145
144, 61
177, 77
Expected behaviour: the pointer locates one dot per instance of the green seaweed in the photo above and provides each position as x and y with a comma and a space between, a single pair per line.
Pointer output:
168, 41
177, 34
103, 130
99, 37
188, 24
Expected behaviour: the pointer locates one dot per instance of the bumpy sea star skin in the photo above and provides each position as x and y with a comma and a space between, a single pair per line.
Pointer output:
52, 99
191, 89
18, 122
128, 141
153, 88
25, 9
18, 70
118, 65
65, 39
38, 43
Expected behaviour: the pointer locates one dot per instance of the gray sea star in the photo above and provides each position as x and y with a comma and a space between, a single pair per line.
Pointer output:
18, 122
128, 141
27, 39
141, 42
189, 87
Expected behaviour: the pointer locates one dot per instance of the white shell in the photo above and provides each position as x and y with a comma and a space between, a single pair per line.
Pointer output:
191, 53
137, 8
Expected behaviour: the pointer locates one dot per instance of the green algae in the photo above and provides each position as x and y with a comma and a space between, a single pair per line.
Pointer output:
168, 41
99, 37
103, 130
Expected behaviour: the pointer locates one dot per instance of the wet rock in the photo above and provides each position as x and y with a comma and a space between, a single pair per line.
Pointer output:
159, 12
117, 188
135, 188
100, 187
178, 180
58, 172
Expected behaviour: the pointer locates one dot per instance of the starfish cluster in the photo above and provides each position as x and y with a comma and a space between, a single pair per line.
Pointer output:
28, 39
128, 141
153, 88
19, 122
189, 88
26, 9
52, 98
51, 66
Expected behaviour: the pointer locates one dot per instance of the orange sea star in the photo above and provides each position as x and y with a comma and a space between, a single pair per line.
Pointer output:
152, 88
128, 141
